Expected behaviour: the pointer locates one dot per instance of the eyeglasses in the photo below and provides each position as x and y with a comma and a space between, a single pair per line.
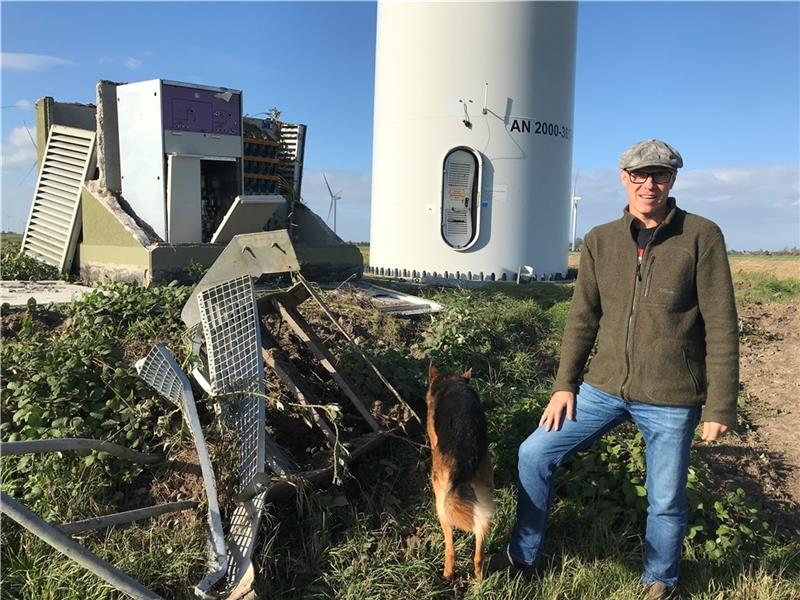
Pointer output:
658, 176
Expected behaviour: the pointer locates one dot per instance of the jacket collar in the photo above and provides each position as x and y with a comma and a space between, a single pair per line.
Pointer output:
628, 220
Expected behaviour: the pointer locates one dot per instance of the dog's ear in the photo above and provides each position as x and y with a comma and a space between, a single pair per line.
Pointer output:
467, 374
433, 372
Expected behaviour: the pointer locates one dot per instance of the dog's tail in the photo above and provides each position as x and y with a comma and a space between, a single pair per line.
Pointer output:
470, 506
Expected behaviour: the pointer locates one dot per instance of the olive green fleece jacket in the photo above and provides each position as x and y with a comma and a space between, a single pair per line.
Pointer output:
666, 330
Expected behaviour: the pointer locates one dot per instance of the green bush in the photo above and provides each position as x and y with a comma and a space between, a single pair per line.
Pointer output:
503, 338
14, 265
75, 381
761, 286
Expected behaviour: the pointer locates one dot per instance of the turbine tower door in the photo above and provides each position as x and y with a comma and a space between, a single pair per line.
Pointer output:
461, 185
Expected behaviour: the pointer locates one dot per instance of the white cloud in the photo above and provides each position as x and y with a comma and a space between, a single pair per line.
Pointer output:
770, 185
757, 207
104, 60
24, 104
18, 150
133, 63
16, 61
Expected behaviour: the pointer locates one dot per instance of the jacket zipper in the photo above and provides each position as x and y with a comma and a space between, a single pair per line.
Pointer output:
649, 276
632, 315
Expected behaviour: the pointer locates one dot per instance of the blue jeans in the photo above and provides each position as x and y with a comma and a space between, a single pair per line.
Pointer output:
667, 431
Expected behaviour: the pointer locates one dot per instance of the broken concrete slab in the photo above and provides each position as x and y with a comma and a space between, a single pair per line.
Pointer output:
17, 293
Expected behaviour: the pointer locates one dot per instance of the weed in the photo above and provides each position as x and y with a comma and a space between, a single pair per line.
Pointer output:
15, 265
376, 536
753, 287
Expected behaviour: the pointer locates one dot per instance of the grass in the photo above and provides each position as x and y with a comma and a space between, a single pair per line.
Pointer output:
761, 287
164, 554
377, 536
360, 548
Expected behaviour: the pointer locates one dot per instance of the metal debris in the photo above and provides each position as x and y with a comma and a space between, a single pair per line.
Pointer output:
391, 301
232, 346
160, 370
253, 254
60, 538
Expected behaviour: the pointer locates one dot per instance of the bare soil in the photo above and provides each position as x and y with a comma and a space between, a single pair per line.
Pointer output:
763, 456
11, 323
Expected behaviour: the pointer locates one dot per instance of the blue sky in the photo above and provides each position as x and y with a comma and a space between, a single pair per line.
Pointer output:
720, 81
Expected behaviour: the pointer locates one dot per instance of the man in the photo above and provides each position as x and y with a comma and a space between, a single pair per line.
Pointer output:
654, 292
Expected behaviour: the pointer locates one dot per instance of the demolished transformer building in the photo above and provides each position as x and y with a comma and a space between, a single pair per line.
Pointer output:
153, 181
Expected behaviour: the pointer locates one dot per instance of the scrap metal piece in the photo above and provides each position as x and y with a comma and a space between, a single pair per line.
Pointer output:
383, 379
72, 549
251, 254
127, 516
241, 544
233, 347
245, 214
61, 444
236, 375
161, 371
325, 358
391, 301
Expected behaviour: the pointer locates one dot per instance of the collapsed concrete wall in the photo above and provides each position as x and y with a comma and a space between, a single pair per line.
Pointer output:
108, 136
71, 114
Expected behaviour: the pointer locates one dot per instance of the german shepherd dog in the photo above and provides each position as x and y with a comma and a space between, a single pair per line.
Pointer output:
461, 472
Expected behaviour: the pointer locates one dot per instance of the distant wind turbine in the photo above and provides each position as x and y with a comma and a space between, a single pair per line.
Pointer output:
334, 200
574, 209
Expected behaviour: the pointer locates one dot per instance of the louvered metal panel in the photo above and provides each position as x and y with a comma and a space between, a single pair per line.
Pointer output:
54, 221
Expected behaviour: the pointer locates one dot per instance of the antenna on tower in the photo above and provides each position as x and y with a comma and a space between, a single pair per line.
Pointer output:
334, 200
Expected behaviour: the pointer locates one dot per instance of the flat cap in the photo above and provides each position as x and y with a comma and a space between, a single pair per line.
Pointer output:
650, 153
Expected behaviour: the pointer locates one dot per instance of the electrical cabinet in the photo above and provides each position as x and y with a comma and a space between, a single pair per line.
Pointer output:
180, 148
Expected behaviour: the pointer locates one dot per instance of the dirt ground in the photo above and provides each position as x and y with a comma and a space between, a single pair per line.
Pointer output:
763, 456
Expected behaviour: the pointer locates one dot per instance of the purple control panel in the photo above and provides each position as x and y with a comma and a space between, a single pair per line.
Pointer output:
201, 111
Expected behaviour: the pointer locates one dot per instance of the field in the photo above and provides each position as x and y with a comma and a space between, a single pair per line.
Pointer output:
68, 372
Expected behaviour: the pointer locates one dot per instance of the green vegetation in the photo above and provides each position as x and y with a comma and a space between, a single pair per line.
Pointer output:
78, 380
752, 287
378, 537
14, 265
69, 372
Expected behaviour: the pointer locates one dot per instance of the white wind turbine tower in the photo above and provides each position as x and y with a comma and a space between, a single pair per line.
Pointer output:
334, 199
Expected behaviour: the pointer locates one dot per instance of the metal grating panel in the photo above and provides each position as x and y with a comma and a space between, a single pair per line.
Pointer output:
241, 543
54, 221
228, 314
229, 318
161, 371
230, 324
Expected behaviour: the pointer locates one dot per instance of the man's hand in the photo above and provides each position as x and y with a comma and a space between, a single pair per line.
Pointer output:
559, 402
711, 431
